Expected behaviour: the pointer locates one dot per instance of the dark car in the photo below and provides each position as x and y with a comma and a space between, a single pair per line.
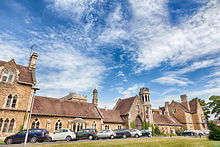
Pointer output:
33, 136
86, 134
122, 133
146, 133
188, 133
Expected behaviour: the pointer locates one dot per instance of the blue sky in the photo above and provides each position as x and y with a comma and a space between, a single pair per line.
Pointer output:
170, 46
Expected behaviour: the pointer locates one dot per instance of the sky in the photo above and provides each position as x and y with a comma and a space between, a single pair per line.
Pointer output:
171, 47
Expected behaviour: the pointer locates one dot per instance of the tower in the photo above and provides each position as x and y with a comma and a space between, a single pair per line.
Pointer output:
32, 62
95, 97
145, 100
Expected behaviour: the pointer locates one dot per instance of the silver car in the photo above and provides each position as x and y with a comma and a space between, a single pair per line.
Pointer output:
106, 134
135, 133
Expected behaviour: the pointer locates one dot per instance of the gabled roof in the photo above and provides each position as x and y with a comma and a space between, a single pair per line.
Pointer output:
193, 107
111, 116
124, 105
161, 119
62, 107
25, 75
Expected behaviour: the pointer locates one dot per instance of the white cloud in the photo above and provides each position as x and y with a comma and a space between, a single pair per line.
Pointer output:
171, 80
131, 91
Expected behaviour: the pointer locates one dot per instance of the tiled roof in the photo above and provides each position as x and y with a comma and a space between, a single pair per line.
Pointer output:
112, 116
61, 107
25, 75
124, 105
165, 120
162, 109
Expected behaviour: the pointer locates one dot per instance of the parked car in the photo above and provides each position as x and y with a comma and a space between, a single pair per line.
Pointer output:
146, 133
122, 133
62, 134
135, 133
106, 134
188, 133
33, 136
206, 132
86, 134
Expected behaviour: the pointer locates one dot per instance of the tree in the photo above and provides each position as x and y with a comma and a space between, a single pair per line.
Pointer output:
157, 130
214, 131
133, 125
144, 125
215, 106
204, 106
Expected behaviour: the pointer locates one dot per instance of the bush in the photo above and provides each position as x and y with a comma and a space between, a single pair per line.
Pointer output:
21, 128
153, 130
214, 131
157, 130
179, 130
144, 125
147, 125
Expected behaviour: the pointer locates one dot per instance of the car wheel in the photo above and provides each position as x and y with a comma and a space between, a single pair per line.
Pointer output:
124, 136
112, 137
9, 141
33, 139
68, 138
90, 137
136, 135
50, 139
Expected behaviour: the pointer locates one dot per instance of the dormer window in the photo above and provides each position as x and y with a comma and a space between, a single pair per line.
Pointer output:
10, 77
5, 76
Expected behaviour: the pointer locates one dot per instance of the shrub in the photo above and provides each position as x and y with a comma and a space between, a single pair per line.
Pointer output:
21, 128
157, 130
144, 125
133, 125
214, 131
179, 130
153, 130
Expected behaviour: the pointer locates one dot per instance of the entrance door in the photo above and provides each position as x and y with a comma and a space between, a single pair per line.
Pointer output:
138, 123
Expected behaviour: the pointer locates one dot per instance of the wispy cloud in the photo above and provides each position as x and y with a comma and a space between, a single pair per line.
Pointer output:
131, 91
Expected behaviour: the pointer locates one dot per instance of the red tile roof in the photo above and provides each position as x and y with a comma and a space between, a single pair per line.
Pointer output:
165, 120
124, 105
112, 116
25, 75
61, 107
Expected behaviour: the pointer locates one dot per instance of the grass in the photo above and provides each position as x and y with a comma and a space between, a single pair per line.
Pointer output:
1, 142
144, 142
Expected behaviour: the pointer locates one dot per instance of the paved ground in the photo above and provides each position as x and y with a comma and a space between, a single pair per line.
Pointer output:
63, 142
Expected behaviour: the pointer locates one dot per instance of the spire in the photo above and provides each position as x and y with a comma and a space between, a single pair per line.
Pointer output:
95, 97
33, 60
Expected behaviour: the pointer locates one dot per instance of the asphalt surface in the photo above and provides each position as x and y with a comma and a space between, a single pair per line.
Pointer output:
78, 141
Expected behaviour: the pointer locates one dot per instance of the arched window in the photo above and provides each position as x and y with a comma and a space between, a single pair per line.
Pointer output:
81, 126
1, 122
93, 125
5, 76
14, 101
11, 126
74, 127
58, 125
5, 127
142, 98
35, 124
8, 103
10, 77
78, 127
146, 98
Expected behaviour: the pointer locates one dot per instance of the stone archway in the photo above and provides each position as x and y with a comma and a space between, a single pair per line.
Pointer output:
138, 123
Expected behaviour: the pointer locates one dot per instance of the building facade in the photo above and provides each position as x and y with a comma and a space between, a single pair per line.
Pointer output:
17, 87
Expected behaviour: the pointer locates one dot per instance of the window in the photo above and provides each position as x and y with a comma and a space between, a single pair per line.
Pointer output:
1, 122
10, 77
174, 110
137, 107
5, 76
35, 124
119, 127
74, 127
14, 101
58, 125
5, 126
8, 103
11, 126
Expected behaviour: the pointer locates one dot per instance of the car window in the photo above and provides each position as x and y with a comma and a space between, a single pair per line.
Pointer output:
64, 130
58, 131
22, 132
86, 131
70, 130
80, 131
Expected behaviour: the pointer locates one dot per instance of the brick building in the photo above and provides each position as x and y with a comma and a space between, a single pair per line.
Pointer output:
17, 86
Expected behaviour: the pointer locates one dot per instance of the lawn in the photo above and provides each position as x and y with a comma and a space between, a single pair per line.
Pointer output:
145, 142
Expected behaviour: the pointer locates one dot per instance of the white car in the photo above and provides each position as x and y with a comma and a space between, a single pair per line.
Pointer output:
62, 134
135, 133
106, 134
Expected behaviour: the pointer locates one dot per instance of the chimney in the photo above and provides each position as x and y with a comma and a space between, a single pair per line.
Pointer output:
166, 112
95, 97
184, 101
32, 62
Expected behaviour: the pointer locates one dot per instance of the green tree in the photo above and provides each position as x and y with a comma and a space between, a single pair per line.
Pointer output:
148, 125
133, 125
144, 125
153, 130
215, 106
214, 131
204, 106
157, 130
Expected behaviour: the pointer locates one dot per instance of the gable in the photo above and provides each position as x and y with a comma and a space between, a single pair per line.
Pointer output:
124, 105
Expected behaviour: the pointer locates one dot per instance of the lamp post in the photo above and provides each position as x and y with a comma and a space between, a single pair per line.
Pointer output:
29, 117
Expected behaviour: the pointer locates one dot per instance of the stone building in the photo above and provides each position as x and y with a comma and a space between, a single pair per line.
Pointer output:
17, 87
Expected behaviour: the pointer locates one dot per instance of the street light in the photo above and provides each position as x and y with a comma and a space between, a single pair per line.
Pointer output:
29, 117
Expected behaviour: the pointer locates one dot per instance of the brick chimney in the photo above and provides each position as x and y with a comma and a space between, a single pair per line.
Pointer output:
166, 112
32, 62
184, 101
